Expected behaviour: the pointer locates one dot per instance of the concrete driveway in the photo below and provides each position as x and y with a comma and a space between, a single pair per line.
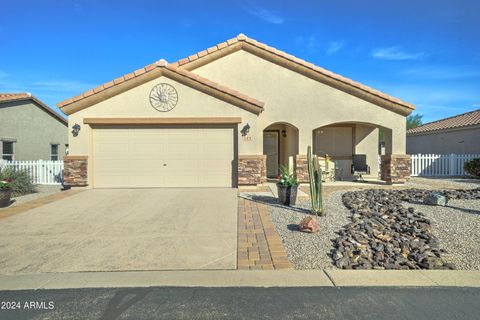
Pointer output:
124, 229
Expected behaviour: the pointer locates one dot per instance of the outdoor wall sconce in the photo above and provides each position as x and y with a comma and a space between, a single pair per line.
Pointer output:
284, 133
245, 130
76, 129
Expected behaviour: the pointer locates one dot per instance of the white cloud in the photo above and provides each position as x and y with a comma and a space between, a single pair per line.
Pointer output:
396, 53
334, 46
265, 14
310, 43
443, 72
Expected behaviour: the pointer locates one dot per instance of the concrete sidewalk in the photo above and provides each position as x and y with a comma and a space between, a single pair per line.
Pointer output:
239, 278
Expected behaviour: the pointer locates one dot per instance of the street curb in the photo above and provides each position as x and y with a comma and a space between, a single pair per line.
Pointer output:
242, 278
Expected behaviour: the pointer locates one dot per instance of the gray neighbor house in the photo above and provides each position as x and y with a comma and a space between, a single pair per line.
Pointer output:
459, 134
30, 130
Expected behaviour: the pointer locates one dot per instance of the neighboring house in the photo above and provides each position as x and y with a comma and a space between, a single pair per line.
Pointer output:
30, 130
228, 115
458, 134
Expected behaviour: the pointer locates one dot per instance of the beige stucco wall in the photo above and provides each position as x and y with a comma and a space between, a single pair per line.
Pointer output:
289, 98
293, 98
366, 142
463, 141
33, 130
135, 103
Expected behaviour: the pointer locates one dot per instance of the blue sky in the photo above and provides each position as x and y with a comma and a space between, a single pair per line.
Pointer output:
424, 52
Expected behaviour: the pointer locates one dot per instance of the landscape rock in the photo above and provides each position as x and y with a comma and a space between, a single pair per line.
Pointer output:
436, 199
383, 234
309, 224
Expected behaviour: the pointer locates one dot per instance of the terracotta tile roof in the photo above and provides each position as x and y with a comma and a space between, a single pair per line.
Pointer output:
242, 39
8, 97
471, 118
163, 64
14, 96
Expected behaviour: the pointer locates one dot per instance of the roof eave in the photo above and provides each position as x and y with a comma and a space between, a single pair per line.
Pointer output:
102, 93
42, 106
297, 65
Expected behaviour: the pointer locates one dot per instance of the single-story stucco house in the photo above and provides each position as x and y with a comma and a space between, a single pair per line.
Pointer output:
459, 134
226, 116
30, 130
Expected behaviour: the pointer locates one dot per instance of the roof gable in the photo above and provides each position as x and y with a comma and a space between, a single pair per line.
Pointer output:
463, 120
155, 70
11, 97
283, 59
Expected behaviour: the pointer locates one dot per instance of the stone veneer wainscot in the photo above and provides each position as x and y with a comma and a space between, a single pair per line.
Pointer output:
75, 171
252, 169
301, 168
395, 168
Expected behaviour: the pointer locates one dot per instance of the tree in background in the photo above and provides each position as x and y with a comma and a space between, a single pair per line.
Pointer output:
414, 120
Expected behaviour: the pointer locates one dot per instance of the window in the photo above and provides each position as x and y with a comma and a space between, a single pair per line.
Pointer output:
54, 152
7, 153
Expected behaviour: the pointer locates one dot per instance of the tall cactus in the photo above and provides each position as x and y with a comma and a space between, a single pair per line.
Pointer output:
316, 186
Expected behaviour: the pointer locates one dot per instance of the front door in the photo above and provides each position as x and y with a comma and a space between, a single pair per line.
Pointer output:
270, 149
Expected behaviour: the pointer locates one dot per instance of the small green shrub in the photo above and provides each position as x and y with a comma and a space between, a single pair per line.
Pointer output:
5, 185
19, 180
287, 178
472, 167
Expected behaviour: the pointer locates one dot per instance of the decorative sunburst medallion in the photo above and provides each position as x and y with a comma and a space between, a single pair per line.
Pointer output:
163, 97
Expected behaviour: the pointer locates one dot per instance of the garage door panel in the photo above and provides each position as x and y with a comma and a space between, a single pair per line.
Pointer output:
163, 157
153, 147
107, 148
182, 148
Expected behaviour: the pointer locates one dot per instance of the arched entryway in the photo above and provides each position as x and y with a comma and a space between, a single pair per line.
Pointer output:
342, 141
280, 145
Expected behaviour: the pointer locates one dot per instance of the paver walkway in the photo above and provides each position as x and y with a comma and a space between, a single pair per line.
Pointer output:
7, 212
259, 245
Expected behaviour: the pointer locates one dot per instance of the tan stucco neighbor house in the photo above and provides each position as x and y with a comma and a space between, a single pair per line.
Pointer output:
226, 116
30, 130
459, 134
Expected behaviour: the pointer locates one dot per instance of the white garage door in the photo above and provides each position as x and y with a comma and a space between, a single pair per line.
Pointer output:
136, 157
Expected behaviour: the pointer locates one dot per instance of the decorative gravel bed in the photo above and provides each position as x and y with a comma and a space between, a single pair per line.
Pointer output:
444, 237
306, 250
457, 227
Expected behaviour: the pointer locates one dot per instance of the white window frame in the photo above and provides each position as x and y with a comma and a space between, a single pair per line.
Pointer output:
12, 155
52, 154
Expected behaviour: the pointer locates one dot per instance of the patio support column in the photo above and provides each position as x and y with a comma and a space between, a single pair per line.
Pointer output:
395, 168
75, 171
305, 139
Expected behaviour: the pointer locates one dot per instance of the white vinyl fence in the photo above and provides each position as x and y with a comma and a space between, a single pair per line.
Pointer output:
440, 164
42, 171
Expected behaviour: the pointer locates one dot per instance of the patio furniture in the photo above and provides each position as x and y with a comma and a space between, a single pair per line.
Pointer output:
360, 166
328, 169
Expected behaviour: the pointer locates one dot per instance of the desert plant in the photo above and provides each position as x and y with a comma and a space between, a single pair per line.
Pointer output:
316, 186
6, 184
287, 178
20, 181
472, 167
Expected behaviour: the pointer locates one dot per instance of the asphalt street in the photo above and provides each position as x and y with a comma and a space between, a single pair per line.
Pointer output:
243, 303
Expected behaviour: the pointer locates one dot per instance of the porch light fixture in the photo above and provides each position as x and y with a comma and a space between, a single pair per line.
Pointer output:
245, 130
284, 133
76, 129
